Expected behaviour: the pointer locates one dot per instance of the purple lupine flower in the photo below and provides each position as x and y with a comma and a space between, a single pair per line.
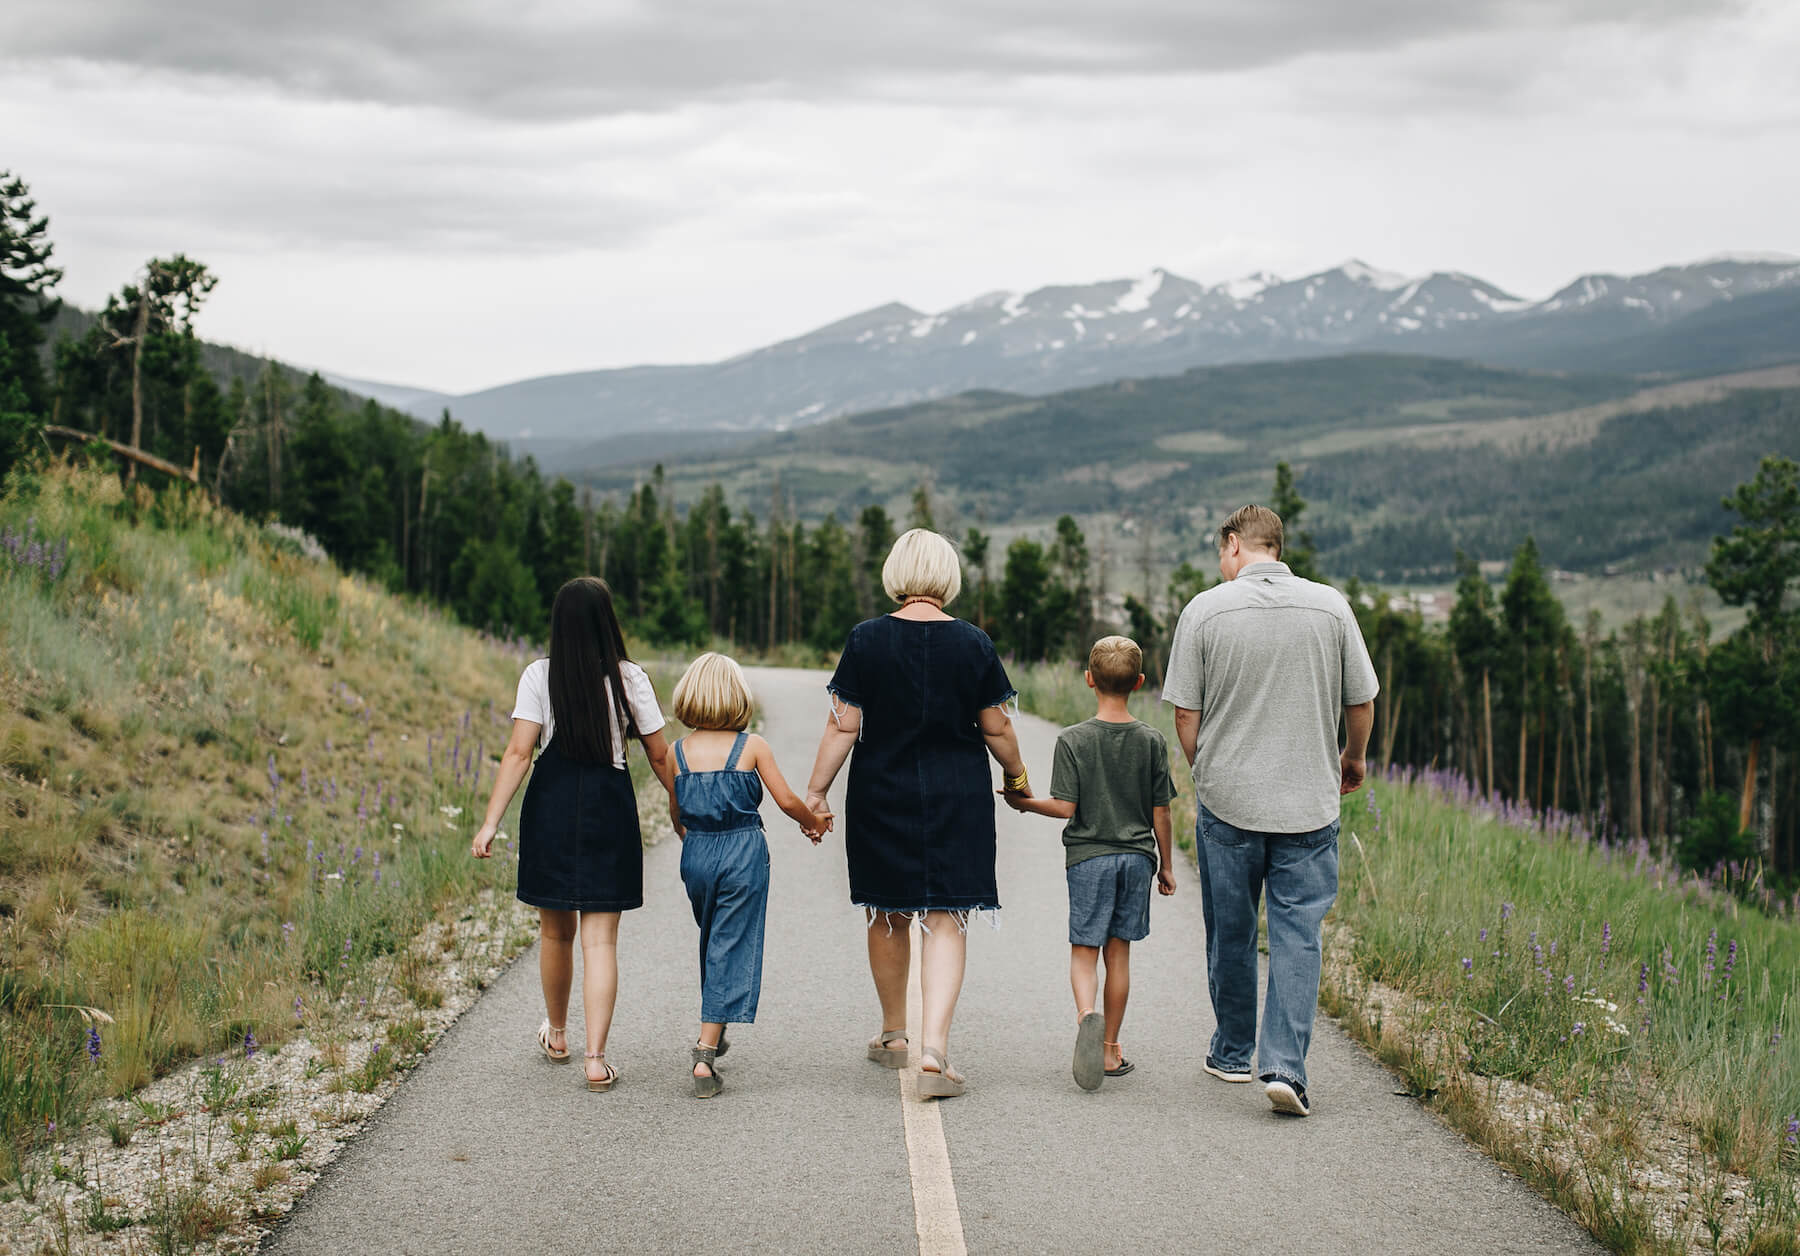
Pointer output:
93, 1043
1484, 935
1579, 1028
305, 787
1468, 967
1569, 983
274, 776
377, 867
299, 1010
1605, 938
1731, 954
250, 1044
1793, 1131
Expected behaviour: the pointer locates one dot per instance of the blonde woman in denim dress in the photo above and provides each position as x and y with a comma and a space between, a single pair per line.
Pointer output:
918, 704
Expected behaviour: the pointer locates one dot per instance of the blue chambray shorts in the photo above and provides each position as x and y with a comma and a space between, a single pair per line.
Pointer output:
1109, 897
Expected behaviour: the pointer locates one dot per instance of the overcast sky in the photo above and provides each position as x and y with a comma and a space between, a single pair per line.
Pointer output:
459, 194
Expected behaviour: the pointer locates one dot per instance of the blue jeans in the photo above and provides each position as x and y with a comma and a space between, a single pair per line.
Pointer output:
727, 878
1300, 872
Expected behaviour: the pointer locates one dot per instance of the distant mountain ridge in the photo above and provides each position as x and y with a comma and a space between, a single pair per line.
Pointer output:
1065, 336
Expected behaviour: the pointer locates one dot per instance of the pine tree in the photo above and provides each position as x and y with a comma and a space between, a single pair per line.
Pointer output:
26, 281
1297, 545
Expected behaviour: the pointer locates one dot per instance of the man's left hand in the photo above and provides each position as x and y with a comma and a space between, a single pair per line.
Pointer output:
1351, 774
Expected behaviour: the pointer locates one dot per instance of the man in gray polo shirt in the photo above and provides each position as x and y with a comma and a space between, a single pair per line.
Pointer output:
1260, 669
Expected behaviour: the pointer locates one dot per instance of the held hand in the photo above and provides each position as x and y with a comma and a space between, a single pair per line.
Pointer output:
1165, 881
484, 841
1352, 770
820, 826
1015, 801
816, 804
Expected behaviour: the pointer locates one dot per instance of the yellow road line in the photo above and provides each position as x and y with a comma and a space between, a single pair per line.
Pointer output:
936, 1215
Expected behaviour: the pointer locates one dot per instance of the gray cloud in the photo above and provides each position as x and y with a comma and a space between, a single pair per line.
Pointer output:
620, 56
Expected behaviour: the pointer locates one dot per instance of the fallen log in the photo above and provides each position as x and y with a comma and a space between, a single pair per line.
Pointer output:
128, 452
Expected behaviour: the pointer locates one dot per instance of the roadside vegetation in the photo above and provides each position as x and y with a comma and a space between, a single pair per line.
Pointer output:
234, 787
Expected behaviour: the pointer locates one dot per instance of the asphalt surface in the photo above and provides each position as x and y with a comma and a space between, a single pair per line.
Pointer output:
487, 1147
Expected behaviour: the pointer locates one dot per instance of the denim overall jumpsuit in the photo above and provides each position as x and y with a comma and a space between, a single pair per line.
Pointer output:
725, 866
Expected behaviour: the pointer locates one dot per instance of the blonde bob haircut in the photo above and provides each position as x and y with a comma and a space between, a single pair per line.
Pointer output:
922, 564
713, 694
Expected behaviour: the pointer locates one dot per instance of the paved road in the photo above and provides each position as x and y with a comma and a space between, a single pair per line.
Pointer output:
488, 1148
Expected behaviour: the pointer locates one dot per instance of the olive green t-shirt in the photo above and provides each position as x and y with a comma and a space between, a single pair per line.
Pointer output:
1116, 775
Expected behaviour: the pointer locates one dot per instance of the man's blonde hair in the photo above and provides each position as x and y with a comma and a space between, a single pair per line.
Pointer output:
1259, 527
1115, 663
922, 564
713, 694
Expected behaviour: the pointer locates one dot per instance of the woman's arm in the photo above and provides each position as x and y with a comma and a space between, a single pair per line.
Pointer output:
656, 749
1003, 744
842, 727
515, 762
811, 824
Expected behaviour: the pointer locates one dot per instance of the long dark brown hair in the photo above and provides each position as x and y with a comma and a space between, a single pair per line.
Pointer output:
586, 648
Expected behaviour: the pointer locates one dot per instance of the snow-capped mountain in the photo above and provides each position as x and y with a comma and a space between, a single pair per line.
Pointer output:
1068, 335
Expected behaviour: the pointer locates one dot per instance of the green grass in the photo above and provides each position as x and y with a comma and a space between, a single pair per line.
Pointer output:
1645, 1009
226, 790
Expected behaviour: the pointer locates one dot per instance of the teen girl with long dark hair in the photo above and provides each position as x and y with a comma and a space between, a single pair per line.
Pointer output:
581, 858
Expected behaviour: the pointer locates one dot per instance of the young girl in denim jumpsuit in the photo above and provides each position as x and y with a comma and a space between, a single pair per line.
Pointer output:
720, 772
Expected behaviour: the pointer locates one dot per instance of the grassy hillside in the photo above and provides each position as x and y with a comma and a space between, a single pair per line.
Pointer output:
230, 782
1403, 459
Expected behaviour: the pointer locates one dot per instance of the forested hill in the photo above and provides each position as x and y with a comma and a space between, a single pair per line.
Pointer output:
1404, 459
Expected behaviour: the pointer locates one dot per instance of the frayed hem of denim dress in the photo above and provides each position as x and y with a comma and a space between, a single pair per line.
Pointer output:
916, 915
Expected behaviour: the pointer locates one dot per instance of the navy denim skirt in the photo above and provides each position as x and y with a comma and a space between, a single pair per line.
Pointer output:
579, 845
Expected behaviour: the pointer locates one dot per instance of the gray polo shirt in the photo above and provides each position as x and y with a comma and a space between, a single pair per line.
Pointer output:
1270, 661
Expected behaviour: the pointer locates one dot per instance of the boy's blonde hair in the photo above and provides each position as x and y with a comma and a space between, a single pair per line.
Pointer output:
713, 694
922, 564
1115, 663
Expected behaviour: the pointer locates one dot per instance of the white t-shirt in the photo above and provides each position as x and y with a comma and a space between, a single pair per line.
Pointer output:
534, 704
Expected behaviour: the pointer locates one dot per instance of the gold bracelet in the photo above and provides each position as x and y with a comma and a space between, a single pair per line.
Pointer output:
1017, 784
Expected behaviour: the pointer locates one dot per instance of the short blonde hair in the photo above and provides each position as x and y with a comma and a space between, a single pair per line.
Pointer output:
1258, 525
713, 694
1115, 663
922, 564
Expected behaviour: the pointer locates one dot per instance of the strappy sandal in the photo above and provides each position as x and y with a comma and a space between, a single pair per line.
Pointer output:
724, 1046
602, 1083
1090, 1058
551, 1053
939, 1082
885, 1055
709, 1085
1125, 1066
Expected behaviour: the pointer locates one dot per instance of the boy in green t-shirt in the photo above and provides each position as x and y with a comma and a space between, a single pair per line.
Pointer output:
1112, 784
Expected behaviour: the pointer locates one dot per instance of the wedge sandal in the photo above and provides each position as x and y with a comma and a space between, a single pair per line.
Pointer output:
884, 1053
938, 1082
710, 1084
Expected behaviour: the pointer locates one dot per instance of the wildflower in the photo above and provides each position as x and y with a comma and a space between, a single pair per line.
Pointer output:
287, 933
250, 1044
1579, 1028
1506, 911
274, 776
299, 1010
1605, 938
1552, 948
1793, 1131
1731, 954
1569, 983
451, 812
1484, 935
377, 867
93, 1043
49, 1126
